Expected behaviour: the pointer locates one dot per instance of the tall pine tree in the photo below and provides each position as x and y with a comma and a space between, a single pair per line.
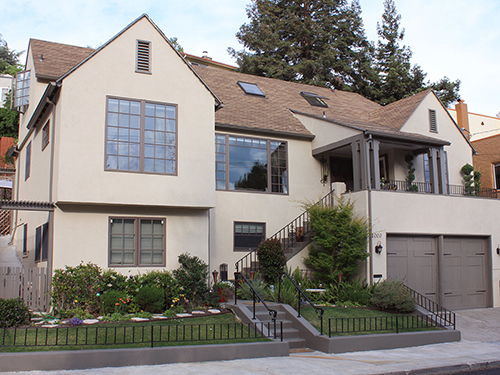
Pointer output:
318, 42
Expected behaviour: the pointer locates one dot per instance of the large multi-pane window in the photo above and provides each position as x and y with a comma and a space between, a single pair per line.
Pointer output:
141, 136
251, 164
248, 236
22, 89
136, 242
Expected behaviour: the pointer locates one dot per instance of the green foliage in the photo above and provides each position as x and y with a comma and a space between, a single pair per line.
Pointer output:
392, 295
272, 259
410, 174
9, 59
192, 276
112, 280
77, 312
286, 293
348, 293
151, 299
13, 312
173, 311
114, 301
246, 293
319, 42
143, 314
222, 290
115, 317
175, 42
9, 119
77, 287
160, 279
340, 240
471, 178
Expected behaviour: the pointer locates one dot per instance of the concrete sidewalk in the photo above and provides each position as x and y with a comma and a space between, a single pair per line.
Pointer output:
480, 347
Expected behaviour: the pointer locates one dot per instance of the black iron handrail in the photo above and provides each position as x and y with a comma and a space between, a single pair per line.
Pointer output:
445, 317
319, 310
289, 235
482, 192
255, 295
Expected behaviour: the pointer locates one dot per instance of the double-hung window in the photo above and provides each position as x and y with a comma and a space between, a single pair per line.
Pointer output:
136, 242
251, 164
141, 136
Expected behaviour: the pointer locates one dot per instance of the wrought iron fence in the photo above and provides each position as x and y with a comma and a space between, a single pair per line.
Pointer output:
482, 192
415, 187
396, 323
440, 315
135, 334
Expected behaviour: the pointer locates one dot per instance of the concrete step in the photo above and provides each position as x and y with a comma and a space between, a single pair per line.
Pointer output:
296, 343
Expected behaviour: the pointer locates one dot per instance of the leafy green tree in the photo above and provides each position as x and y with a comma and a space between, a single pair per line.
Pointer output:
175, 41
192, 277
318, 42
9, 59
9, 119
340, 240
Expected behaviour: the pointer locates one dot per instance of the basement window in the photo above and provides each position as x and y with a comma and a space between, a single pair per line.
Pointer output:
143, 62
251, 88
314, 99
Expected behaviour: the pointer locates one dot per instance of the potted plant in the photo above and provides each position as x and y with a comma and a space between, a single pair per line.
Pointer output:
300, 234
223, 289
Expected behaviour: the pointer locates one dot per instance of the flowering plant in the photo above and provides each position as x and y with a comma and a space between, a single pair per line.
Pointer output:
13, 312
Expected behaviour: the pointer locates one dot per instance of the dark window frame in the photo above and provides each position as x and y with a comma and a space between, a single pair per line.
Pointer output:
25, 239
137, 242
42, 243
45, 135
496, 176
314, 99
27, 171
274, 181
261, 237
143, 56
251, 89
143, 144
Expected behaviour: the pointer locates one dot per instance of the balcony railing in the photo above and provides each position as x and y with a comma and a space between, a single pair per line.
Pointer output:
426, 188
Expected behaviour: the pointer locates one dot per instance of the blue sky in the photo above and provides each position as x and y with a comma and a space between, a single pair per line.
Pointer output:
459, 38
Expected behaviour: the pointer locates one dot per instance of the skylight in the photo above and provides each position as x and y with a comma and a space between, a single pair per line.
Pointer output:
314, 99
251, 88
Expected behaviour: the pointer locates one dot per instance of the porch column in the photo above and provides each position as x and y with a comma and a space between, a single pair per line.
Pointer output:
434, 168
443, 171
373, 155
356, 165
360, 165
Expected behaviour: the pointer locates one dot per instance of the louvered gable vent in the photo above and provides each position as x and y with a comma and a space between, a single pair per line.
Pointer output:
143, 56
432, 121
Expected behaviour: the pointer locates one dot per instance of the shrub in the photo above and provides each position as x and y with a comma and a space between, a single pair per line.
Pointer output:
13, 312
143, 314
160, 279
150, 299
114, 301
77, 312
112, 280
245, 292
115, 317
272, 259
77, 287
192, 277
287, 292
392, 295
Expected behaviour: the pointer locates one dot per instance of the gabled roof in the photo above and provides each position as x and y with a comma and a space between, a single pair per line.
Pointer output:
52, 60
274, 112
394, 115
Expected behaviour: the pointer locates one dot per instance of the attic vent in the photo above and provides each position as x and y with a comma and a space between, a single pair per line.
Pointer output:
143, 56
432, 121
314, 99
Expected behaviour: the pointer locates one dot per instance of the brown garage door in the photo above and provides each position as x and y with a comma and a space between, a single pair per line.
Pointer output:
459, 268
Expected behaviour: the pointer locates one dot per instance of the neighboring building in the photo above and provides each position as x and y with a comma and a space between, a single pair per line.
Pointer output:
5, 87
116, 158
205, 61
484, 134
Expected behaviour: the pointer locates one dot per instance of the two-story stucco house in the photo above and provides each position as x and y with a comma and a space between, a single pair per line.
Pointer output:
129, 156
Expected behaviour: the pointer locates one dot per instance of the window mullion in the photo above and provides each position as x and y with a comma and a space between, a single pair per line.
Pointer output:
137, 226
142, 135
226, 138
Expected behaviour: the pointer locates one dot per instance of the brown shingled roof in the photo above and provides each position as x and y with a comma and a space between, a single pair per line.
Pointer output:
57, 58
274, 111
394, 115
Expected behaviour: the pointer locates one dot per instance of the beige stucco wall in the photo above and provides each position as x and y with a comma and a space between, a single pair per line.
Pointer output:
459, 152
428, 214
276, 210
82, 235
79, 171
480, 126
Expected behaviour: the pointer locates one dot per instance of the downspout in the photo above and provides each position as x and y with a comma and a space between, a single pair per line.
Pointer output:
370, 221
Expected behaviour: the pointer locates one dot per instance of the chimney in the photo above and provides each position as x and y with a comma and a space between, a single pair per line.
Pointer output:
205, 56
463, 117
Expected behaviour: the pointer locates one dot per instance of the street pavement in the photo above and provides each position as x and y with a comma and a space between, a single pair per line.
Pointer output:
478, 349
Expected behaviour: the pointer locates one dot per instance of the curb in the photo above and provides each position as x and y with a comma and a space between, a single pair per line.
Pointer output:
463, 368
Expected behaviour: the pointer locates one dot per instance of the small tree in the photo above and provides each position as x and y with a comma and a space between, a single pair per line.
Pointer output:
192, 277
272, 259
410, 176
340, 240
471, 179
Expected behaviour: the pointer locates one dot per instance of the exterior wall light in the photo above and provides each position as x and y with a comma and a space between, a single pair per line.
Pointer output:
379, 247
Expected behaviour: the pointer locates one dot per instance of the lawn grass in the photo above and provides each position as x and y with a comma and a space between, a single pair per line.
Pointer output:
213, 329
356, 321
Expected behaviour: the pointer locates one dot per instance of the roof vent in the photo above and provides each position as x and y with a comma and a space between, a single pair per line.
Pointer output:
41, 57
143, 56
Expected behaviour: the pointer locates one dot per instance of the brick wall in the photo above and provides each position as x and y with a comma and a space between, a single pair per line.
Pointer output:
488, 154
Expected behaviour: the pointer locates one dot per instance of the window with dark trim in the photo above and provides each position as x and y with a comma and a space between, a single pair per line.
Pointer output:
314, 99
27, 170
432, 121
248, 236
45, 135
251, 164
42, 243
141, 136
496, 170
25, 239
251, 88
22, 89
143, 62
136, 242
